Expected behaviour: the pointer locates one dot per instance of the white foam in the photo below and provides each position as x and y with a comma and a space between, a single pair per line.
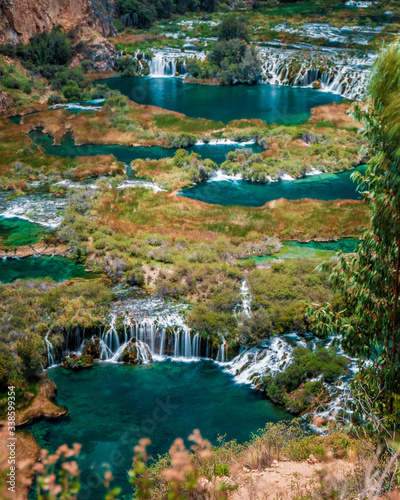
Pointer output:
219, 175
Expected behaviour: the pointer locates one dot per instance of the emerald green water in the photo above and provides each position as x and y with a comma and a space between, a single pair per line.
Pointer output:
271, 103
311, 250
56, 268
15, 119
330, 186
15, 232
112, 406
126, 154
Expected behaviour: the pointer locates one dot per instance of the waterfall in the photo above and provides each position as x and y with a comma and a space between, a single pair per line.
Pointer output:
335, 70
156, 327
246, 299
143, 354
50, 351
222, 352
110, 336
169, 62
276, 354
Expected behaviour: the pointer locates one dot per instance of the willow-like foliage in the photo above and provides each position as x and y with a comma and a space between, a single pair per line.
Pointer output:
369, 279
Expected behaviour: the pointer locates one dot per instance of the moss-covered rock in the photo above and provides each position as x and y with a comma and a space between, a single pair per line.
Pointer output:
76, 362
92, 348
136, 353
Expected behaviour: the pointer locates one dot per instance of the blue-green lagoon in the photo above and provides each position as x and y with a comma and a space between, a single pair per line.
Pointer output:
112, 406
15, 232
271, 103
329, 186
126, 154
57, 268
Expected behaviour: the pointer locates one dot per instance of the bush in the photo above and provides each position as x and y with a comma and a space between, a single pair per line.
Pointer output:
72, 91
29, 348
68, 76
232, 27
128, 66
135, 278
46, 49
231, 60
325, 363
17, 83
254, 330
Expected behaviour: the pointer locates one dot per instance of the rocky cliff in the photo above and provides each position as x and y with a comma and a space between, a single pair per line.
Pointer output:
22, 19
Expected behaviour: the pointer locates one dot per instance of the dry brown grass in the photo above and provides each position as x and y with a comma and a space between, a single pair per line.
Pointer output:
176, 215
338, 114
96, 166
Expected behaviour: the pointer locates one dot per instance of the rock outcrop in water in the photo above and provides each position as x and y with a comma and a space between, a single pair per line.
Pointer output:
136, 353
76, 362
20, 20
92, 348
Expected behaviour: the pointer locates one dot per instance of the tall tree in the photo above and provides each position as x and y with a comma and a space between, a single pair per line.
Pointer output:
369, 279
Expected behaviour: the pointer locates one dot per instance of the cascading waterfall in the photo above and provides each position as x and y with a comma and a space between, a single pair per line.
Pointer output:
50, 351
276, 354
336, 70
222, 352
110, 336
167, 62
157, 330
246, 299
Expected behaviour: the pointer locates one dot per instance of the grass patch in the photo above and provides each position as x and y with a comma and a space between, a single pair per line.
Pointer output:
184, 124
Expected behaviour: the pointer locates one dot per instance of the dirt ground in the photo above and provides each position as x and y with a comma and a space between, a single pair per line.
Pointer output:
287, 480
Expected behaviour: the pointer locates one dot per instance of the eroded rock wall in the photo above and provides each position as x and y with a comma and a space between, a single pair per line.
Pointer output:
22, 19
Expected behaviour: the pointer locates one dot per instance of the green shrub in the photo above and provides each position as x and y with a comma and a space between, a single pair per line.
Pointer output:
135, 278
72, 91
18, 83
283, 387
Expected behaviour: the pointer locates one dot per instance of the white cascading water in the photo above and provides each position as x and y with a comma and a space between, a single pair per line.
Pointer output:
276, 354
222, 352
158, 330
169, 62
39, 208
50, 351
302, 65
336, 70
246, 299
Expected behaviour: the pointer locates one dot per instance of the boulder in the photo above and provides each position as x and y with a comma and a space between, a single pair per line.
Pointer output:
136, 353
317, 85
318, 421
77, 362
312, 460
92, 348
95, 49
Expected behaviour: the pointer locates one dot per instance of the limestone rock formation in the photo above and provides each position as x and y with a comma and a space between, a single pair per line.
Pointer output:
22, 19
100, 53
76, 362
136, 353
92, 348
3, 102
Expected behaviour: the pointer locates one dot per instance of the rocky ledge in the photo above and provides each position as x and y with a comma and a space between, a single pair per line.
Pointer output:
41, 248
41, 406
